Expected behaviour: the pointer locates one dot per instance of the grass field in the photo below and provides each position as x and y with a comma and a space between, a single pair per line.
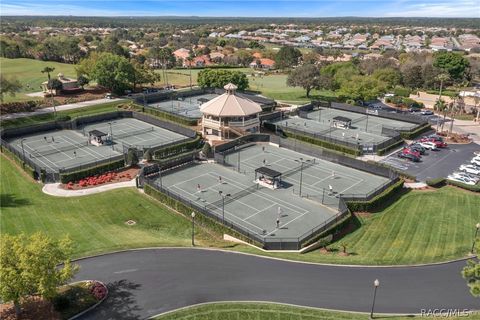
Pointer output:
28, 72
95, 223
421, 227
269, 311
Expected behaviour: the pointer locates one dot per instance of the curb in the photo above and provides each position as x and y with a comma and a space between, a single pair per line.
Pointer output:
88, 191
288, 304
92, 307
282, 259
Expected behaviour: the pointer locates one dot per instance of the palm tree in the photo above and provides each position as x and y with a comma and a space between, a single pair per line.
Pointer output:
440, 106
453, 110
476, 98
190, 61
47, 70
442, 78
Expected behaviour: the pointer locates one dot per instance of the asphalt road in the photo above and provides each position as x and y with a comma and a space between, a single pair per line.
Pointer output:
436, 164
144, 283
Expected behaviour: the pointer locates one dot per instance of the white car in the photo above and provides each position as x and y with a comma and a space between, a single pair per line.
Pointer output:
465, 176
475, 161
468, 168
427, 145
461, 180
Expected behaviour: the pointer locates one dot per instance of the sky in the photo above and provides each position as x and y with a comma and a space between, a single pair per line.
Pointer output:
245, 8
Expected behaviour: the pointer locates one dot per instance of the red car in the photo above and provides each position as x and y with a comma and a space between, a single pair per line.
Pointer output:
411, 151
438, 143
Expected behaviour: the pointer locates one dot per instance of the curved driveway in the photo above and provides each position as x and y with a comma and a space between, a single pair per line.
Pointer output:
144, 283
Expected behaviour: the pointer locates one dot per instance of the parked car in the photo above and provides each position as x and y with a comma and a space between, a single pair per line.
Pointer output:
469, 176
418, 147
461, 180
435, 136
408, 156
475, 161
411, 151
470, 169
109, 96
428, 145
426, 113
438, 144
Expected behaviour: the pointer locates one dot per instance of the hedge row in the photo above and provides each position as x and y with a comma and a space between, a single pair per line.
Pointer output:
29, 170
324, 144
200, 219
436, 183
413, 134
167, 116
20, 106
402, 174
381, 152
92, 171
378, 202
440, 182
331, 231
176, 149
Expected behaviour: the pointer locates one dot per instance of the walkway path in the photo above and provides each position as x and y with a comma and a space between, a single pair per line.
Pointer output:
54, 189
59, 108
144, 283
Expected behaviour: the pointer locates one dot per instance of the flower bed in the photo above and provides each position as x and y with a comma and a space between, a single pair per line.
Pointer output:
71, 300
102, 179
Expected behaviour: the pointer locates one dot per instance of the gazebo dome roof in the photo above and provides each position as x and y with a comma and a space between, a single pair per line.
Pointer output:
230, 104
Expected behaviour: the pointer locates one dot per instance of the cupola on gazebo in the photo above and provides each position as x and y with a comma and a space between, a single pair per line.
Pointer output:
230, 115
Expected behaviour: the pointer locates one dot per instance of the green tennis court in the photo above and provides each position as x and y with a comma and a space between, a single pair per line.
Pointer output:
255, 209
188, 107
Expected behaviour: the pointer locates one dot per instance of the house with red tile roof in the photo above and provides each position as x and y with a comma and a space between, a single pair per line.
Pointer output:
263, 63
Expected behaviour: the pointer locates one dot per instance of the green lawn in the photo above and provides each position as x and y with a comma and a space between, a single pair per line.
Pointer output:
421, 227
268, 311
28, 72
96, 223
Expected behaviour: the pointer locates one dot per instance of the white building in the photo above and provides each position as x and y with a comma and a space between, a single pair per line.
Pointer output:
230, 115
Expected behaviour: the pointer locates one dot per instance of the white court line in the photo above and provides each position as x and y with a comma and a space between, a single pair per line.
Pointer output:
283, 225
270, 198
258, 211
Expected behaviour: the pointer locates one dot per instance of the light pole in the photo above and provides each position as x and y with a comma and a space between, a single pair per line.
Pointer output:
220, 192
366, 126
301, 173
376, 283
111, 134
477, 226
193, 228
23, 150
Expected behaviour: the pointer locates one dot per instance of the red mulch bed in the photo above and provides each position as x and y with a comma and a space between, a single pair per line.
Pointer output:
34, 309
103, 179
86, 95
455, 138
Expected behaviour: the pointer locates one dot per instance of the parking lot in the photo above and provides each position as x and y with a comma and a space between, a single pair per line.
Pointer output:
436, 164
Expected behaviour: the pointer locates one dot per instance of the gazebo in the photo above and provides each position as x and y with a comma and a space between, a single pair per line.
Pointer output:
341, 122
230, 115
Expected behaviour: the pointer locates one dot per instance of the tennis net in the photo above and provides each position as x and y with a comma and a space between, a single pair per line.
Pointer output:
36, 154
295, 170
240, 194
132, 133
359, 119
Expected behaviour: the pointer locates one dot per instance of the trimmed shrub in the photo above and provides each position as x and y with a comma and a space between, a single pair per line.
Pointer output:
200, 218
78, 175
165, 115
475, 188
413, 134
173, 150
381, 152
436, 183
21, 106
132, 157
378, 202
324, 144
402, 92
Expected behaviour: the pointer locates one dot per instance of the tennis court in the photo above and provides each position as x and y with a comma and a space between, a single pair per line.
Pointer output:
255, 208
188, 107
61, 149
136, 133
